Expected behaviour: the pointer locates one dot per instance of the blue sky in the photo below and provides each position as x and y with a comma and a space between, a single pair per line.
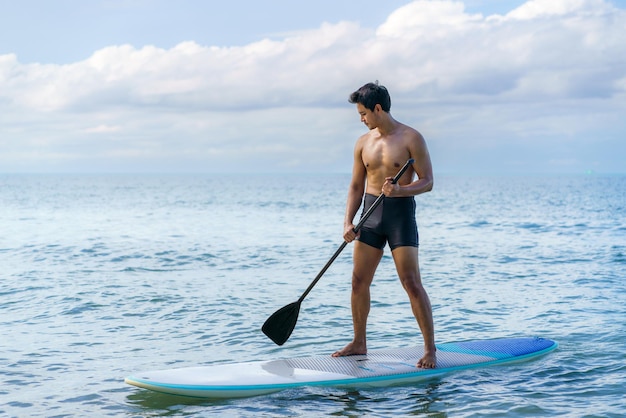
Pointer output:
495, 86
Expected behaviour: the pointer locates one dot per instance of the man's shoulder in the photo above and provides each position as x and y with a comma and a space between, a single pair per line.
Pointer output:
365, 137
409, 129
410, 133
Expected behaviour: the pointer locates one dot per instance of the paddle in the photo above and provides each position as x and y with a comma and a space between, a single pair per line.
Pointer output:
280, 325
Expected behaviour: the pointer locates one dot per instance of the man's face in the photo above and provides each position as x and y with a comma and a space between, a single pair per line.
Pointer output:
367, 116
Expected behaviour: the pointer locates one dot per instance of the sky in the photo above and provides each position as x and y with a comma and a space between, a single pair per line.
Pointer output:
193, 86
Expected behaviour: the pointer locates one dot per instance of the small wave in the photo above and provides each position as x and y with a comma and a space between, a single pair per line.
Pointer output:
479, 224
531, 226
147, 269
85, 307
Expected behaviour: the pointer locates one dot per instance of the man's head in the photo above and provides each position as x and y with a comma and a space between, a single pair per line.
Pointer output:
370, 95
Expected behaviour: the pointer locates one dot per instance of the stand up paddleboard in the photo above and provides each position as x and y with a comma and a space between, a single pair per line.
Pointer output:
377, 368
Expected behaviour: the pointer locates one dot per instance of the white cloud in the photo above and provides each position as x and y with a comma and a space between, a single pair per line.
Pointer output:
537, 72
424, 18
534, 9
101, 129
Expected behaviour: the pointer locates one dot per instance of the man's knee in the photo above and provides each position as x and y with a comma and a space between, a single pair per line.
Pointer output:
360, 283
412, 283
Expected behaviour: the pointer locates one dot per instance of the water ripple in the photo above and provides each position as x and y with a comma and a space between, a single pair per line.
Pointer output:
106, 276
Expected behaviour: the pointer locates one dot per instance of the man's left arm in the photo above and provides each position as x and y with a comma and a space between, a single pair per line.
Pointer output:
422, 167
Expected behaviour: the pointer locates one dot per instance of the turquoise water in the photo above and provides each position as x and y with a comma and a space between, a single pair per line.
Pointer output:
106, 276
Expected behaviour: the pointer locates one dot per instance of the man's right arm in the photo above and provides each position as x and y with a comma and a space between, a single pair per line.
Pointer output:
355, 195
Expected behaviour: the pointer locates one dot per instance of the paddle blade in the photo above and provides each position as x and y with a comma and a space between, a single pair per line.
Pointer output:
280, 325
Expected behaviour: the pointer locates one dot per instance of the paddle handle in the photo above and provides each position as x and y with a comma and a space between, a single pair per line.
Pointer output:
358, 226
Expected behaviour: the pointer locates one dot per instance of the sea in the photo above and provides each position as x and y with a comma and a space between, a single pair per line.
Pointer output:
105, 276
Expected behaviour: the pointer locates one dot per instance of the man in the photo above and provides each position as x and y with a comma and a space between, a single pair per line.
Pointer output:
378, 156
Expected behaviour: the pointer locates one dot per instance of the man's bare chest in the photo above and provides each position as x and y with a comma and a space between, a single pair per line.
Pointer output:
379, 154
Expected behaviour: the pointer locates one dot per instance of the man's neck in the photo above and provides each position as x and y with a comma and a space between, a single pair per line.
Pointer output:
387, 125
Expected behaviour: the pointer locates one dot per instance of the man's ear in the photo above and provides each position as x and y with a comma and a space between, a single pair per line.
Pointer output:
378, 108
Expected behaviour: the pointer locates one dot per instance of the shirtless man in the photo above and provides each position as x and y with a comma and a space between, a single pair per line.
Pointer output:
378, 156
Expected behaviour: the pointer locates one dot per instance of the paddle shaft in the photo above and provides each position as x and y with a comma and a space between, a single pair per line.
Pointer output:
358, 226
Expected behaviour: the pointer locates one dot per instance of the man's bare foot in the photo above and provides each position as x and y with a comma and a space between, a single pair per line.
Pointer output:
351, 349
429, 361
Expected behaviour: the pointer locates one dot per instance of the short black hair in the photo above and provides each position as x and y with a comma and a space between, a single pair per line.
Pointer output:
370, 95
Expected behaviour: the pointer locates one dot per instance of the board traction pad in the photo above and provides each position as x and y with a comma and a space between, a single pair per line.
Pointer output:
403, 360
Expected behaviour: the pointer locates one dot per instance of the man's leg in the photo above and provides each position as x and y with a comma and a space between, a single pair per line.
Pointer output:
407, 265
366, 259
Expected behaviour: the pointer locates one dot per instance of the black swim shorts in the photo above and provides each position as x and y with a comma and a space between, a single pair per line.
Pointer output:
392, 221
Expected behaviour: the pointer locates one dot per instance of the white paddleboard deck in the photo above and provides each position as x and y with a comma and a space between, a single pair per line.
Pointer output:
377, 368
